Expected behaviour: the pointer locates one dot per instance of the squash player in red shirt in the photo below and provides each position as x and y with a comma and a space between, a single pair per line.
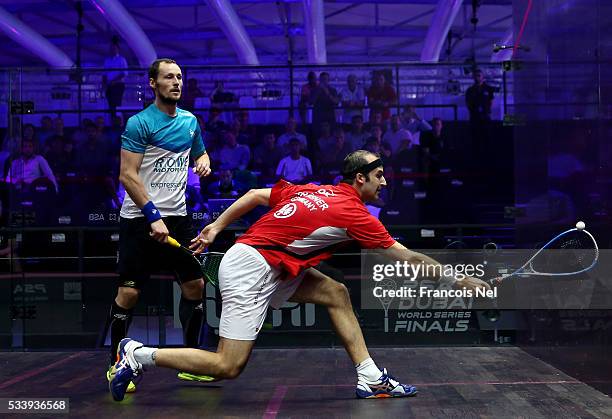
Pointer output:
274, 262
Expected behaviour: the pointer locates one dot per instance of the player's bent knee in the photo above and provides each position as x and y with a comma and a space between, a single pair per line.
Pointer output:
232, 373
341, 294
230, 370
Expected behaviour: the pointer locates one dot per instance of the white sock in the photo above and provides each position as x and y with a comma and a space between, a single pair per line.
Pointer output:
368, 371
145, 356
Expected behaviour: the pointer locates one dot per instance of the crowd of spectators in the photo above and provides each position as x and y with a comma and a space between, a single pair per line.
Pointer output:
81, 164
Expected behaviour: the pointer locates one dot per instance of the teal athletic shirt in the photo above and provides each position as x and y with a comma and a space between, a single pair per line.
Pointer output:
166, 142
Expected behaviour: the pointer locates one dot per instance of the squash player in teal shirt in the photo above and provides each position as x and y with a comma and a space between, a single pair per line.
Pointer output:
156, 147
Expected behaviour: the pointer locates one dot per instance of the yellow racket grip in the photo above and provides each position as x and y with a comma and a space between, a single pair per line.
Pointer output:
172, 242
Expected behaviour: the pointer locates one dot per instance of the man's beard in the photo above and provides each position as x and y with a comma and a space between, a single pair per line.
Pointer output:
168, 100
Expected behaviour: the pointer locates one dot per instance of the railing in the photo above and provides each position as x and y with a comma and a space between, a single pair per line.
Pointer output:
55, 92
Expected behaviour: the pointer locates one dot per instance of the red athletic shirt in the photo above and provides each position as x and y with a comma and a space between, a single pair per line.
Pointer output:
307, 223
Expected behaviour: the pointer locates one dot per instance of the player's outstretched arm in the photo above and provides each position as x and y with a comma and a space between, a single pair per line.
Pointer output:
399, 252
243, 205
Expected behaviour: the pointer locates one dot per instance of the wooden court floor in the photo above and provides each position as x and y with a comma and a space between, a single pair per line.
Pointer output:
457, 382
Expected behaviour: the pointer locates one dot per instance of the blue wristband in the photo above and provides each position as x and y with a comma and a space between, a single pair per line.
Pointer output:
150, 212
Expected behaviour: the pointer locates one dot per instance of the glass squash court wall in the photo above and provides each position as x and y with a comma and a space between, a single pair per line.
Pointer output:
61, 245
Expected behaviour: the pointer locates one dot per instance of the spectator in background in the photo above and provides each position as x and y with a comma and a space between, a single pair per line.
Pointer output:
46, 129
432, 145
412, 122
232, 156
29, 167
357, 136
201, 122
112, 146
224, 187
290, 132
242, 136
215, 125
333, 153
96, 171
113, 81
214, 128
295, 168
324, 99
92, 153
479, 99
100, 123
5, 162
396, 135
29, 133
266, 157
60, 160
234, 127
79, 136
386, 153
353, 99
376, 133
326, 139
114, 133
376, 118
221, 98
381, 96
372, 145
247, 130
12, 143
58, 127
192, 92
306, 96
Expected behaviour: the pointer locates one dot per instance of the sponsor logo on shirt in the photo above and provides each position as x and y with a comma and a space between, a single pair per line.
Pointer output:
311, 201
286, 211
170, 186
191, 133
326, 192
171, 164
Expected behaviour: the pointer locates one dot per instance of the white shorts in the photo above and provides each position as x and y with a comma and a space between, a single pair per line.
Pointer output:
248, 284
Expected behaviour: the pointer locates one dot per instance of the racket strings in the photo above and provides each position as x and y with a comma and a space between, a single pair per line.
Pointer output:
209, 263
573, 252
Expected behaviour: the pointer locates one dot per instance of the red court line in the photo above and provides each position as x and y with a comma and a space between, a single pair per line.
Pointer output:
496, 383
40, 370
275, 402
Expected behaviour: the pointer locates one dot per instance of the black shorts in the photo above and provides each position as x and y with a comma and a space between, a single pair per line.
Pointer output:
140, 255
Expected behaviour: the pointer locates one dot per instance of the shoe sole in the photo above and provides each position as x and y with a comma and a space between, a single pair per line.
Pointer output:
117, 392
207, 379
131, 387
387, 395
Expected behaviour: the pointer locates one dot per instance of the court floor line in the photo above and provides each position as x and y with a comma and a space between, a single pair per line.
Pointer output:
275, 402
38, 371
